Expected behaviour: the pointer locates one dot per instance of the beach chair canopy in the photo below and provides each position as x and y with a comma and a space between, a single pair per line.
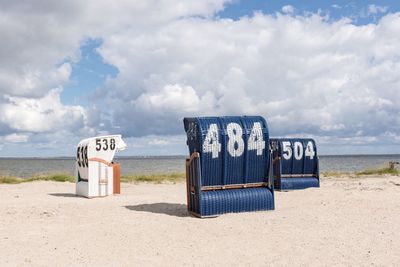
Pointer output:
100, 147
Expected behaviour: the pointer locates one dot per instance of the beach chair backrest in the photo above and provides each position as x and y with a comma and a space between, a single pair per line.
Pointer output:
233, 150
100, 149
298, 155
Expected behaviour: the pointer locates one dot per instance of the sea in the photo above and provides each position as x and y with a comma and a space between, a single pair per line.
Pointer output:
28, 167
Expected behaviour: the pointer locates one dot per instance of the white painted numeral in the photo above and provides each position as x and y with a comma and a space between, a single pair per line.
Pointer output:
211, 142
235, 135
236, 144
310, 152
256, 141
298, 150
287, 150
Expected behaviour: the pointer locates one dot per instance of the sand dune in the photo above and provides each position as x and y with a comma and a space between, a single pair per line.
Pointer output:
345, 222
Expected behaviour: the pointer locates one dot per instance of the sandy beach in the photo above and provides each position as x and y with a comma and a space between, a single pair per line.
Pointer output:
353, 221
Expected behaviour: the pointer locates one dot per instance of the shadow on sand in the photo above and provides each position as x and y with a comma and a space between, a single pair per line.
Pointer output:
172, 209
64, 195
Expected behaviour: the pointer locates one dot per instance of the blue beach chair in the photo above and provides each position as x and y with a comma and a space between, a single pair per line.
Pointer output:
296, 163
230, 165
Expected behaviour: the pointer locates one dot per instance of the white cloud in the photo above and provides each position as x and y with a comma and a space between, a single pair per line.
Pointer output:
41, 40
163, 144
305, 74
171, 97
38, 36
375, 9
16, 138
158, 142
288, 9
45, 114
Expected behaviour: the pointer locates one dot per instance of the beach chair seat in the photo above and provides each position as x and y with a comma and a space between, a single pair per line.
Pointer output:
230, 167
296, 163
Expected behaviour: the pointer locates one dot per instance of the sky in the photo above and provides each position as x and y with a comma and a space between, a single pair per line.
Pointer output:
71, 69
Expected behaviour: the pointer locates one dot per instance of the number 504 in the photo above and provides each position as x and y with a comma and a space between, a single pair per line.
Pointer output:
297, 150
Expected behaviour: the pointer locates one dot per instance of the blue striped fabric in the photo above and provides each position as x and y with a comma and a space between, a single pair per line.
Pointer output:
233, 166
298, 183
256, 165
236, 200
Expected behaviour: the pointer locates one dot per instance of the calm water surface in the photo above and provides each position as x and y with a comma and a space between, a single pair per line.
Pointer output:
27, 167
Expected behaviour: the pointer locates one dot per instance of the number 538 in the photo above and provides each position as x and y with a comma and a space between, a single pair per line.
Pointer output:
105, 144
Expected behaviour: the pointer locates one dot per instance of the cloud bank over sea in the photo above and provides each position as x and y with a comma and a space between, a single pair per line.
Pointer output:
305, 72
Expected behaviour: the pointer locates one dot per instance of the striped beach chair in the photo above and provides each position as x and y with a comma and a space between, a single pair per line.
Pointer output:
230, 165
96, 173
296, 163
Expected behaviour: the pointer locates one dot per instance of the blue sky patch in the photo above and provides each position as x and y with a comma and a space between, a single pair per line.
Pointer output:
360, 12
87, 74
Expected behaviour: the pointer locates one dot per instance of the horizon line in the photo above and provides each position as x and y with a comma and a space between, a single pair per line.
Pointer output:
177, 156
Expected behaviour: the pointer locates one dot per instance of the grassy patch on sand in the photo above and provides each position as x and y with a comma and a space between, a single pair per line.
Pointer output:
175, 177
369, 172
335, 174
10, 180
52, 177
57, 177
153, 178
379, 171
134, 178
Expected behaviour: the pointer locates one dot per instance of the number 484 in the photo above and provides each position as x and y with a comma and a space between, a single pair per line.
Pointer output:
235, 145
